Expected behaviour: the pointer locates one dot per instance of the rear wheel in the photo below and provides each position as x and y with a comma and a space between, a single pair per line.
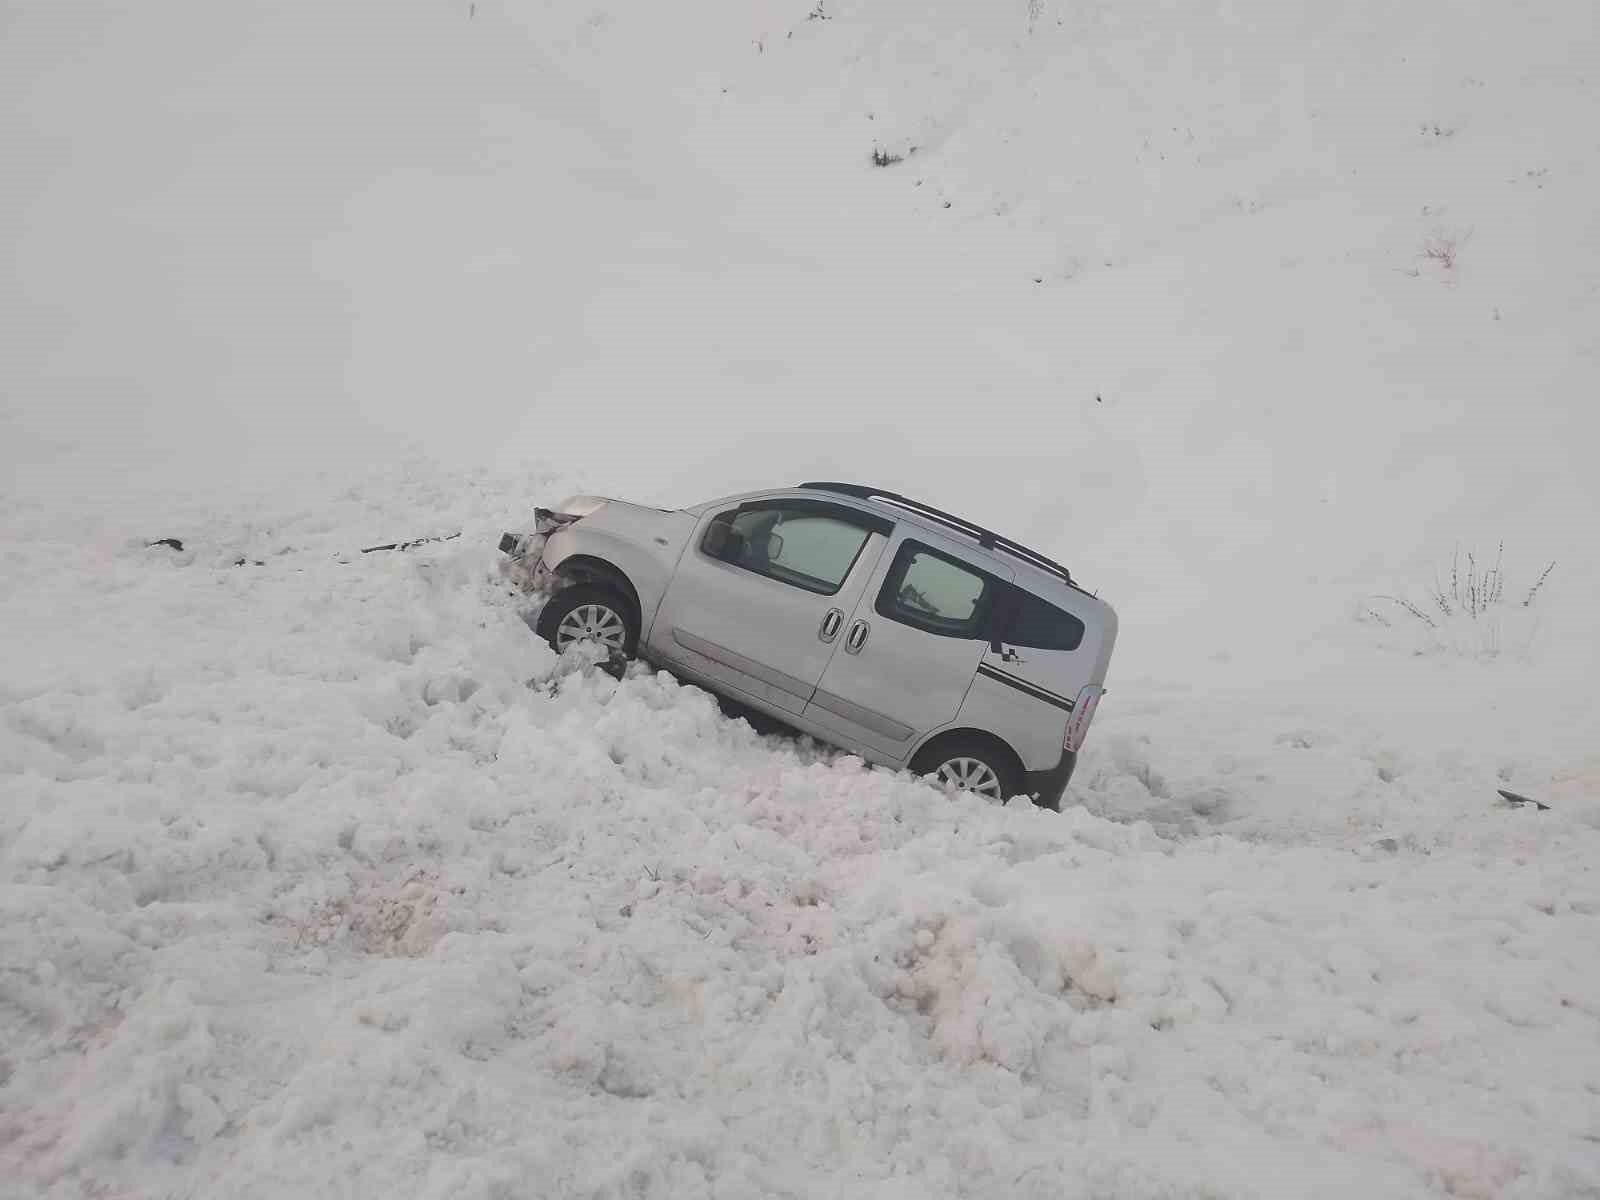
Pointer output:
971, 765
588, 613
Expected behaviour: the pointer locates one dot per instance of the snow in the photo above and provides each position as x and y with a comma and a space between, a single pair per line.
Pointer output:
320, 876
324, 872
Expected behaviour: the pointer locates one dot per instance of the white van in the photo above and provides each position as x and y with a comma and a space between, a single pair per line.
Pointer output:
901, 633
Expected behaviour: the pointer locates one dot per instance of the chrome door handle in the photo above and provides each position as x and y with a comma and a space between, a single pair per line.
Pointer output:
831, 621
856, 638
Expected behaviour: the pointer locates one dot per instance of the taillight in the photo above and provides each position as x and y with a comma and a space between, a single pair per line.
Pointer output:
1082, 713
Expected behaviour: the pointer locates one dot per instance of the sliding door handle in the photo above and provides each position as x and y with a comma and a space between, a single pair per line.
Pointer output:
831, 622
856, 638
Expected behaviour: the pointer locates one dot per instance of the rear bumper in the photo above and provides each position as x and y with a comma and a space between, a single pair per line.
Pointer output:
1047, 786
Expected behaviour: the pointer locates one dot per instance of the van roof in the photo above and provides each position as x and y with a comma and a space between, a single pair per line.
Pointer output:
950, 522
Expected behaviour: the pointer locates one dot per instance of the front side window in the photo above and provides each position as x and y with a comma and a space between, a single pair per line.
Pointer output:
936, 593
801, 546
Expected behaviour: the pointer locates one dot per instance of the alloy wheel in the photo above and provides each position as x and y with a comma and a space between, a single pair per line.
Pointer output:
971, 775
592, 623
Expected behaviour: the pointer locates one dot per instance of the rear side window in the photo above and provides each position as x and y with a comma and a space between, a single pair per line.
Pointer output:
937, 594
1041, 625
804, 548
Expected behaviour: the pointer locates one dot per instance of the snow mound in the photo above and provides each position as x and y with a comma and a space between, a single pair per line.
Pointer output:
326, 870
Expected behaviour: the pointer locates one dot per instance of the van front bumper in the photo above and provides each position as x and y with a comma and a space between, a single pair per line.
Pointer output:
1048, 786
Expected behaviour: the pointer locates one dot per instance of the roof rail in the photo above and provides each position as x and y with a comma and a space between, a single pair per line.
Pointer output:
984, 537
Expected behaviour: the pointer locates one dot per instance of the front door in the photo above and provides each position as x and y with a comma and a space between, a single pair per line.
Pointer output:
911, 648
760, 598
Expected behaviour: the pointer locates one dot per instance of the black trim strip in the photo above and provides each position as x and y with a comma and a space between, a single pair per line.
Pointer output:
1038, 693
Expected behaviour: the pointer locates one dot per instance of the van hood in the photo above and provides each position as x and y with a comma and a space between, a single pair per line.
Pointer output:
581, 506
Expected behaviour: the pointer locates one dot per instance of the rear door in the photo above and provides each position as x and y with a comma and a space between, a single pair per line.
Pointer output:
759, 600
912, 645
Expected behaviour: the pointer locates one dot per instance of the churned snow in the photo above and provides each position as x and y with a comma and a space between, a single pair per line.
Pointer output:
321, 876
324, 877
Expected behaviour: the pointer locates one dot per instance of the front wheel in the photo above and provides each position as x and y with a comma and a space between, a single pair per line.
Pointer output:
586, 613
971, 766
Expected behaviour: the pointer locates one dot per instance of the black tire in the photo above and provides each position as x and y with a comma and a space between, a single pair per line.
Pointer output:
607, 609
945, 758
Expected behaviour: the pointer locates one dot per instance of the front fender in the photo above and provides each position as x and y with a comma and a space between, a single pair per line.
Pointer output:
646, 557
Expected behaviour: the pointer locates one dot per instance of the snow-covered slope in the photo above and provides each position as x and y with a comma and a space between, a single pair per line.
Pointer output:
322, 874
321, 877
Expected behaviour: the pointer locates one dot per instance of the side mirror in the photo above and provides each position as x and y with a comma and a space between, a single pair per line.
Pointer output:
774, 546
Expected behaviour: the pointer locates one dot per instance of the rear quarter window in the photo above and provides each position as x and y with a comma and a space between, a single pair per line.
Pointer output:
1041, 625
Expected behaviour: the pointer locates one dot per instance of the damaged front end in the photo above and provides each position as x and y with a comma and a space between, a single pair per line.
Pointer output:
524, 566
